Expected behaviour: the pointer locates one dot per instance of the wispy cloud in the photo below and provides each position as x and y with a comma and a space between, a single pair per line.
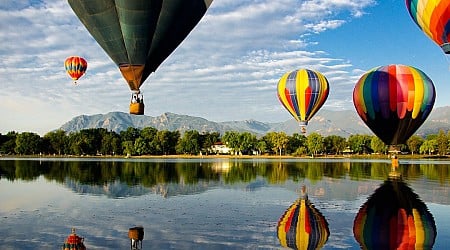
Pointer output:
227, 68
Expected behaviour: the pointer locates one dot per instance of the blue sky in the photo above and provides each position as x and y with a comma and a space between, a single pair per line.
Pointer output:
227, 69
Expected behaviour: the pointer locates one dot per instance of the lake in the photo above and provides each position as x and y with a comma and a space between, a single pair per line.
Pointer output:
218, 203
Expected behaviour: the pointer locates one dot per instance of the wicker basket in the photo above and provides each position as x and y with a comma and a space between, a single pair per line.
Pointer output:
137, 108
136, 233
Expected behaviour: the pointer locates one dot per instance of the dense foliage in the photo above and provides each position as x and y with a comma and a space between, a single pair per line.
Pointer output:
150, 141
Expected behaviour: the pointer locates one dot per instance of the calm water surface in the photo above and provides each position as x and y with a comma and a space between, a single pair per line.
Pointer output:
202, 203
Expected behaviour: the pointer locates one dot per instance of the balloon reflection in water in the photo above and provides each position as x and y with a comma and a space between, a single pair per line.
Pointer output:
74, 242
302, 226
394, 218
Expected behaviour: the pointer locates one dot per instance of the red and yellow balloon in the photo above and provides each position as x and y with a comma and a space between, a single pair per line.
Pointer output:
394, 101
303, 92
302, 226
75, 66
433, 18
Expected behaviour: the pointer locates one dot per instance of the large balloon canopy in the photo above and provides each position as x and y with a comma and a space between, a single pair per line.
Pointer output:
75, 67
138, 35
394, 101
302, 226
433, 18
303, 92
394, 217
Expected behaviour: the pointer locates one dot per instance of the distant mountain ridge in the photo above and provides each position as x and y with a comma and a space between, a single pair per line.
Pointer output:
325, 122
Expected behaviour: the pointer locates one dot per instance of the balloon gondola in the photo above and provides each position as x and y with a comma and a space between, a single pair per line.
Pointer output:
138, 35
75, 67
394, 101
302, 93
394, 217
302, 226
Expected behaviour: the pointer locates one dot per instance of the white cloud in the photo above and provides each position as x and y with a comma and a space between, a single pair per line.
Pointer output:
227, 68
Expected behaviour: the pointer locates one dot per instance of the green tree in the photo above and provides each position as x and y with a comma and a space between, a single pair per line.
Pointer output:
189, 143
414, 143
314, 142
140, 146
231, 139
377, 145
247, 142
428, 146
295, 141
27, 143
359, 143
111, 144
128, 148
57, 140
442, 143
8, 143
261, 146
334, 144
277, 140
166, 141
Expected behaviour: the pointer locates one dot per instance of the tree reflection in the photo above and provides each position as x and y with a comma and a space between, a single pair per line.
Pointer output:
219, 172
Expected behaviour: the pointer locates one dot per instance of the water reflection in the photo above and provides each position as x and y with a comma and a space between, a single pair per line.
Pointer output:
302, 226
394, 218
207, 203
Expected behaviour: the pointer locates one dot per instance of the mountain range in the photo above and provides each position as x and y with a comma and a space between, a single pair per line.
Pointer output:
325, 122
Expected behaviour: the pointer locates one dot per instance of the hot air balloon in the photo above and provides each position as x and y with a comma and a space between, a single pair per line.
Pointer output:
394, 101
302, 226
138, 35
394, 217
76, 67
433, 18
303, 92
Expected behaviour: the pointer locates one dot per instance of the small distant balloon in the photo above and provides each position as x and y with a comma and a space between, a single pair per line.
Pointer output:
394, 101
303, 92
75, 67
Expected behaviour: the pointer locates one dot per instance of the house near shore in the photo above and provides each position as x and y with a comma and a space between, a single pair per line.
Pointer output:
220, 149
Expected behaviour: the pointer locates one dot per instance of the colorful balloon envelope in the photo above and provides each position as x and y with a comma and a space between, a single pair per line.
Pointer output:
303, 92
302, 226
75, 66
394, 218
138, 35
394, 101
433, 18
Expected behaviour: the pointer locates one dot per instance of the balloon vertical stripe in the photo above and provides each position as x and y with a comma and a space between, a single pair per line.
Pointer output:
75, 66
433, 18
394, 101
302, 93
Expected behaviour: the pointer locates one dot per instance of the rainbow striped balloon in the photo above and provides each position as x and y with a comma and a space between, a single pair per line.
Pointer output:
302, 93
75, 66
433, 18
394, 217
394, 101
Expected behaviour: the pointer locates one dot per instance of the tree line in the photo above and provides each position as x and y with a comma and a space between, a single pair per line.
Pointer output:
150, 141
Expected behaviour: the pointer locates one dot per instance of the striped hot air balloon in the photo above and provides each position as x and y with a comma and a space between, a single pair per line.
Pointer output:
75, 67
433, 18
302, 226
303, 92
394, 218
394, 101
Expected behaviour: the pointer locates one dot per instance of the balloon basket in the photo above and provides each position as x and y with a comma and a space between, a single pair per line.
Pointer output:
136, 235
137, 108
